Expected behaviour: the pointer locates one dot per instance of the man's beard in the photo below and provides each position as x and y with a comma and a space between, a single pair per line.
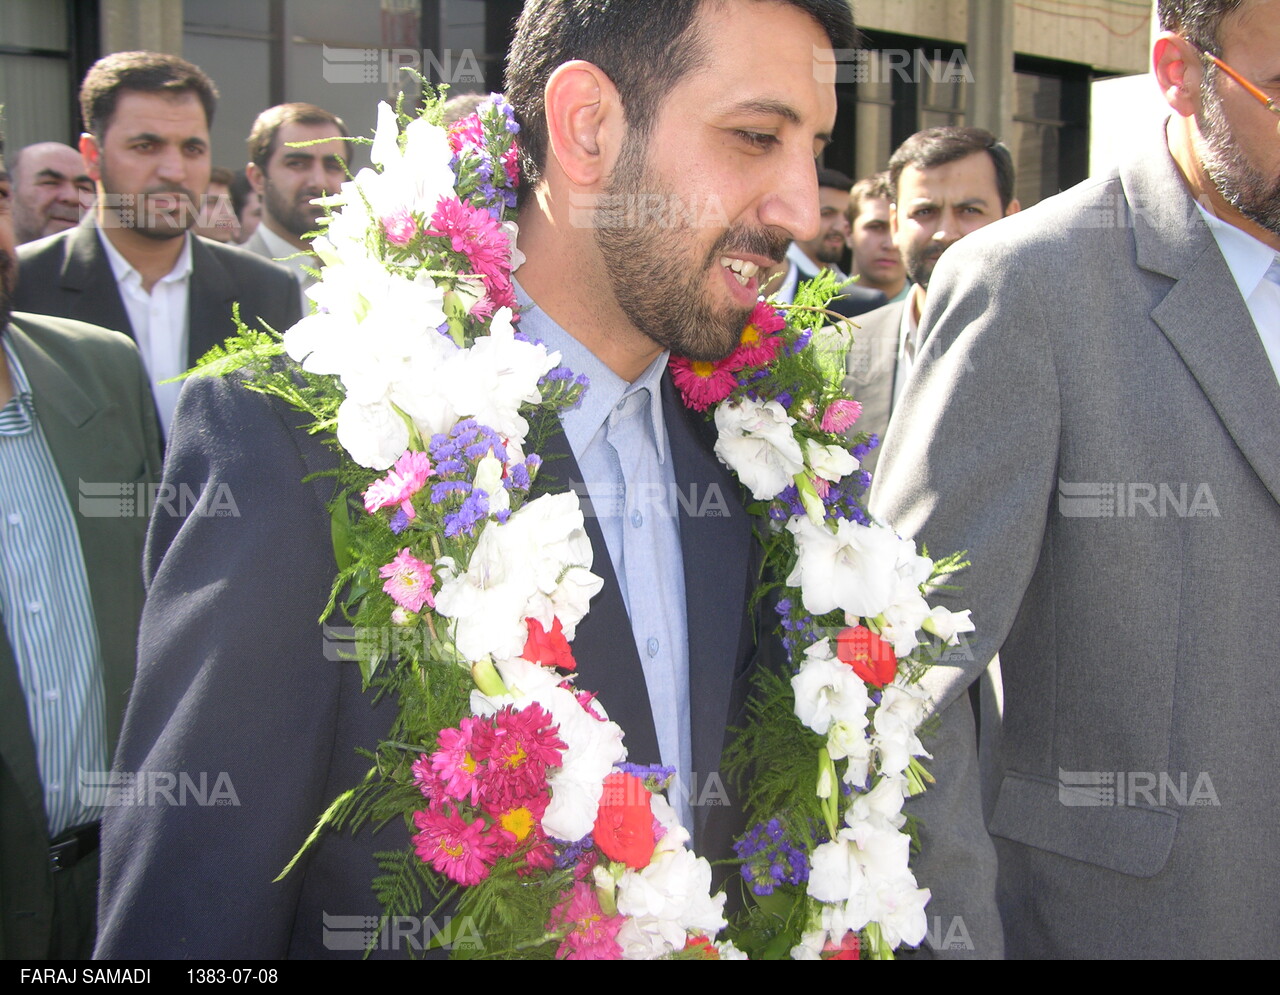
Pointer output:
137, 212
1241, 185
659, 286
297, 218
920, 261
830, 254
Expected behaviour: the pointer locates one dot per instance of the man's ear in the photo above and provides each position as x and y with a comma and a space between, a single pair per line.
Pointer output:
1178, 69
1014, 207
257, 178
92, 155
585, 122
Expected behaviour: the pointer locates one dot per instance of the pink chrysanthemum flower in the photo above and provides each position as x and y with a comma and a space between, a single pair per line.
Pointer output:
592, 934
467, 133
454, 764
400, 227
760, 342
455, 848
408, 581
404, 480
702, 384
840, 415
423, 776
516, 749
473, 232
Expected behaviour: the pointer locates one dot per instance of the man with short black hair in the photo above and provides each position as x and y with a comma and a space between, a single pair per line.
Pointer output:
51, 190
289, 176
1094, 418
691, 101
134, 266
946, 183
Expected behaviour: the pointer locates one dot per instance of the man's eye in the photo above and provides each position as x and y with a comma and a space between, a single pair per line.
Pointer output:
758, 139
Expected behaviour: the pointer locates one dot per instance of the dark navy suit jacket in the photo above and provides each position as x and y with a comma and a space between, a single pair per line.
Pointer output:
234, 678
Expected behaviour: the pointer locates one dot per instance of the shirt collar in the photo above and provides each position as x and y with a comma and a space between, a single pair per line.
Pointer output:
286, 253
605, 390
16, 417
1247, 258
124, 272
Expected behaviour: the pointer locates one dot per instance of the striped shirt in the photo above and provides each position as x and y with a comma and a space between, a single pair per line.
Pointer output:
48, 611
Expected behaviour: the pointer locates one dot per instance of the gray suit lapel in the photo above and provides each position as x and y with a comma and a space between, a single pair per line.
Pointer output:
1212, 332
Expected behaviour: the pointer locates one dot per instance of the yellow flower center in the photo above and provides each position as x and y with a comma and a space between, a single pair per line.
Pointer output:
704, 370
751, 335
518, 822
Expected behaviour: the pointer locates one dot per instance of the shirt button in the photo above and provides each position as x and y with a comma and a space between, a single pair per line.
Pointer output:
15, 518
52, 694
622, 405
34, 607
652, 646
637, 519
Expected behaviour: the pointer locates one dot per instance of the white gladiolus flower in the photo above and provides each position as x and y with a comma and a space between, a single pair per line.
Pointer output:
756, 442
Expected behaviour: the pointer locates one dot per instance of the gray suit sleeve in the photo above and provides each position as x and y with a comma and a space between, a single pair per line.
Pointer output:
969, 464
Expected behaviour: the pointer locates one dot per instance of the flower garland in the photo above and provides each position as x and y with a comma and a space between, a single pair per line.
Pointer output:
465, 586
827, 859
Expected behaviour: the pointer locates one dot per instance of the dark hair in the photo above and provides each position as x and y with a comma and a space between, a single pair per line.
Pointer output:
874, 187
644, 48
1197, 21
140, 72
240, 190
262, 136
221, 175
939, 146
833, 178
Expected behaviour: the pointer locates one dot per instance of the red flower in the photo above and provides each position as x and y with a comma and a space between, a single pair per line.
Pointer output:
849, 948
871, 657
624, 821
759, 343
550, 649
703, 947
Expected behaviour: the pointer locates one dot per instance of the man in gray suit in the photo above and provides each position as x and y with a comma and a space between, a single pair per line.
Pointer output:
288, 177
944, 183
1095, 419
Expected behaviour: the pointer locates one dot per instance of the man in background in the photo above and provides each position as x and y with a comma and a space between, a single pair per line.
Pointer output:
136, 268
51, 190
946, 183
877, 263
289, 176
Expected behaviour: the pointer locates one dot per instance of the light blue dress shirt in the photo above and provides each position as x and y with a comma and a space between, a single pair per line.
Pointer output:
619, 438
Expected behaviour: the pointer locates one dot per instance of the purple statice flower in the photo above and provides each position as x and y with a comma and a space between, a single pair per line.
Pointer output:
784, 399
463, 521
533, 461
399, 521
442, 491
518, 477
501, 515
800, 343
442, 448
770, 859
448, 467
573, 852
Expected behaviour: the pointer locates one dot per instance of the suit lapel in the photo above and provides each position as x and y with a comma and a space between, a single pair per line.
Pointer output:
716, 539
86, 274
209, 302
1214, 334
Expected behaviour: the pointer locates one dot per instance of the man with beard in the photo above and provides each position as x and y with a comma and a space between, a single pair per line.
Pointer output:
288, 177
134, 266
76, 419
51, 190
1094, 418
946, 183
672, 101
